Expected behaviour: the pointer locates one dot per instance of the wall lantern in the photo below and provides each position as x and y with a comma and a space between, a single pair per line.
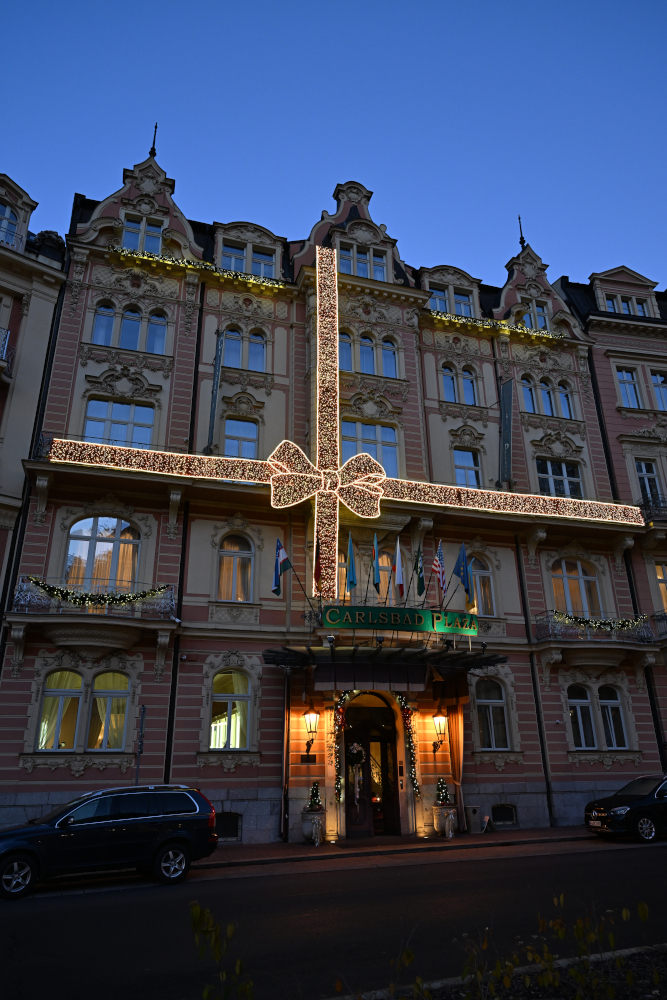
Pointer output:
440, 724
311, 718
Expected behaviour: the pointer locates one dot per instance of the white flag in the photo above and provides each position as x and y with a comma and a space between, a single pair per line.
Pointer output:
397, 569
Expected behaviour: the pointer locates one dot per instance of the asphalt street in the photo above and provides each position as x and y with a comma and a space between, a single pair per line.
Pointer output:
299, 931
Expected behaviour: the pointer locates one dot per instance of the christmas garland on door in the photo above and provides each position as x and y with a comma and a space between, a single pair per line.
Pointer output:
80, 598
335, 748
410, 749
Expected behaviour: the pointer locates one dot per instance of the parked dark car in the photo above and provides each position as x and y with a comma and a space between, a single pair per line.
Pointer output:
156, 828
639, 808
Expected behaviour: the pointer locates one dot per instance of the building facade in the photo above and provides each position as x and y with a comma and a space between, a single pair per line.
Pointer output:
186, 354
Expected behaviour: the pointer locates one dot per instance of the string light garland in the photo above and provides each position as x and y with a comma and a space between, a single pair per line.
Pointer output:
80, 598
442, 797
494, 324
199, 265
601, 624
336, 740
410, 749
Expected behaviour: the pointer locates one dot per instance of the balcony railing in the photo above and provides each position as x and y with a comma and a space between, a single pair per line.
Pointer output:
31, 600
548, 626
661, 624
654, 508
12, 240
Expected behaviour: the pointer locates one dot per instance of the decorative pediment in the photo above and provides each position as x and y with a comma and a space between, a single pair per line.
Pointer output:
479, 546
459, 346
125, 383
149, 178
369, 405
450, 276
365, 309
466, 437
541, 360
623, 275
557, 445
108, 504
246, 232
365, 232
237, 522
242, 405
353, 192
575, 550
134, 283
246, 306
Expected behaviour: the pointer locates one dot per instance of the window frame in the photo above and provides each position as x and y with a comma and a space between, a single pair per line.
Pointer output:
488, 704
528, 393
575, 705
381, 444
255, 338
476, 574
235, 554
60, 693
581, 577
234, 437
443, 294
230, 699
622, 387
659, 389
476, 466
554, 477
532, 309
108, 695
259, 261
351, 252
92, 539
609, 703
241, 254
109, 421
643, 474
141, 227
158, 312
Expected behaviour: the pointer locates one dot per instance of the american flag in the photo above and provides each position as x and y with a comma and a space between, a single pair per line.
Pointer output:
439, 569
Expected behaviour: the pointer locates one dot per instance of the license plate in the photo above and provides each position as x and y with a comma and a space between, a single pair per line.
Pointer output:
595, 822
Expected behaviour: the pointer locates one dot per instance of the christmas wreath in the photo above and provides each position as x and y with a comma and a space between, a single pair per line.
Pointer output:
356, 754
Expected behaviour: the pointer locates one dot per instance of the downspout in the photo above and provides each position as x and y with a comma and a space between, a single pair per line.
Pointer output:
603, 428
169, 744
536, 688
195, 388
284, 815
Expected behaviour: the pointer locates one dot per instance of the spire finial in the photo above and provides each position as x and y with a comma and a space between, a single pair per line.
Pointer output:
521, 239
152, 151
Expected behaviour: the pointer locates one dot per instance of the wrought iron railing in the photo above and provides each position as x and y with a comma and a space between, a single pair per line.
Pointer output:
654, 508
661, 624
30, 599
12, 240
549, 626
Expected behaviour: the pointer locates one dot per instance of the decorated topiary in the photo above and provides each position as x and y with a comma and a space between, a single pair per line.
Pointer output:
442, 793
315, 802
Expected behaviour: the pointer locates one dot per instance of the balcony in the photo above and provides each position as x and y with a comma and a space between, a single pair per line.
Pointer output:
661, 624
10, 241
653, 508
6, 353
548, 626
30, 600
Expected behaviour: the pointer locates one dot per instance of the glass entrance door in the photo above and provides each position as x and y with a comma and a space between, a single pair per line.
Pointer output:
371, 787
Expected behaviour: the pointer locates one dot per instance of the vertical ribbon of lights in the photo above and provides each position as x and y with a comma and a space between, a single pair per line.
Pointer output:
326, 501
410, 748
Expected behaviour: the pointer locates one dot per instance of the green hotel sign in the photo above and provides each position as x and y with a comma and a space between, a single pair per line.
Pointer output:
399, 619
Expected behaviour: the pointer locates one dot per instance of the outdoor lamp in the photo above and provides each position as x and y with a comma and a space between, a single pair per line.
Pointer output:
440, 723
311, 718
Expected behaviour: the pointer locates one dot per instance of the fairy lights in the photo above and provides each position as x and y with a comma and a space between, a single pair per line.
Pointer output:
601, 624
410, 749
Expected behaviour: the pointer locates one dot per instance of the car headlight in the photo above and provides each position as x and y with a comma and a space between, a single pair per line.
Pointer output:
619, 810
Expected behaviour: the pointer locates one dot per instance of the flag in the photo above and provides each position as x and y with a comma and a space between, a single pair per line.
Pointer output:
282, 565
376, 565
317, 567
461, 570
439, 569
351, 581
419, 570
397, 569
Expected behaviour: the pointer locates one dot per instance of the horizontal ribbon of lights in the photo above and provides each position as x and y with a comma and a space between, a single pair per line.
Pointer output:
601, 624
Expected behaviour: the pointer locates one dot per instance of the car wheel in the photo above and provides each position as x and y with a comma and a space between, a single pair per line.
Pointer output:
18, 873
171, 864
645, 829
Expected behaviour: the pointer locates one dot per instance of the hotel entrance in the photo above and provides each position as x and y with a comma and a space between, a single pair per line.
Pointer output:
371, 785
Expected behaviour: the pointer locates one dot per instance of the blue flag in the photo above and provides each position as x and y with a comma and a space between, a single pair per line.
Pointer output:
282, 564
461, 570
351, 571
376, 565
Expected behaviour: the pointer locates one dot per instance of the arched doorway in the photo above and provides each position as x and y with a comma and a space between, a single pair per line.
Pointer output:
371, 788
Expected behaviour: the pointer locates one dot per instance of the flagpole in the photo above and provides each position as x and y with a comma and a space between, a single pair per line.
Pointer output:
368, 580
302, 587
430, 575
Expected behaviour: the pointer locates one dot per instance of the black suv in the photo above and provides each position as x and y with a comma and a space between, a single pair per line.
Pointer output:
639, 808
156, 828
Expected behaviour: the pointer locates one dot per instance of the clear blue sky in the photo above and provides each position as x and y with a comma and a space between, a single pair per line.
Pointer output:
457, 115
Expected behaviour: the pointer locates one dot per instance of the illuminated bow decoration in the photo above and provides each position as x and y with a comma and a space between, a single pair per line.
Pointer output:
356, 483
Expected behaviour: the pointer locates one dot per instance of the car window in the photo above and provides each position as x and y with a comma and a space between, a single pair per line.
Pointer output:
92, 811
55, 813
135, 806
175, 802
641, 786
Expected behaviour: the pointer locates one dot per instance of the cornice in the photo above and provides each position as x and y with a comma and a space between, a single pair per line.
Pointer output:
10, 261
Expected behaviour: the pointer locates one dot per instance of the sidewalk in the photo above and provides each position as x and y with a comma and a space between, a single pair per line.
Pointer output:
230, 855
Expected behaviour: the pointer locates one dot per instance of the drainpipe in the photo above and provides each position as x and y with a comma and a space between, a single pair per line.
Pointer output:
169, 743
603, 428
536, 687
220, 340
195, 388
284, 815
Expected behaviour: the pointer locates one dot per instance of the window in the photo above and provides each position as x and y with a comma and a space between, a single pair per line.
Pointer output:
559, 479
94, 811
482, 586
130, 329
378, 266
342, 574
641, 308
174, 804
449, 384
60, 711
535, 317
344, 352
528, 395
386, 594
466, 468
142, 234
660, 389
438, 300
611, 304
231, 356
565, 401
462, 304
240, 438
580, 717
541, 312
362, 263
8, 223
345, 260
547, 399
355, 260
256, 353
626, 307
102, 555
235, 580
376, 440
504, 815
576, 588
107, 717
135, 806
156, 338
648, 480
388, 359
628, 386
233, 258
612, 718
103, 328
229, 716
262, 263
469, 392
491, 715
127, 425
661, 573
366, 356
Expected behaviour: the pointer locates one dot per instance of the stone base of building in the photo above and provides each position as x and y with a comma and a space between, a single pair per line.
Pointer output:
528, 799
570, 797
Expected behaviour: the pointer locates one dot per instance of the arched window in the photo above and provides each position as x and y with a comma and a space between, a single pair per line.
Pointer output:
107, 715
565, 400
103, 328
229, 715
60, 711
547, 399
469, 391
256, 353
102, 555
491, 715
388, 359
576, 588
661, 573
8, 223
235, 580
344, 352
612, 718
579, 705
232, 349
449, 384
483, 586
156, 338
130, 329
127, 425
528, 395
367, 356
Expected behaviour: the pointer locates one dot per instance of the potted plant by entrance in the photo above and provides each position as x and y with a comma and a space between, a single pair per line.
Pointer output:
444, 811
313, 816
